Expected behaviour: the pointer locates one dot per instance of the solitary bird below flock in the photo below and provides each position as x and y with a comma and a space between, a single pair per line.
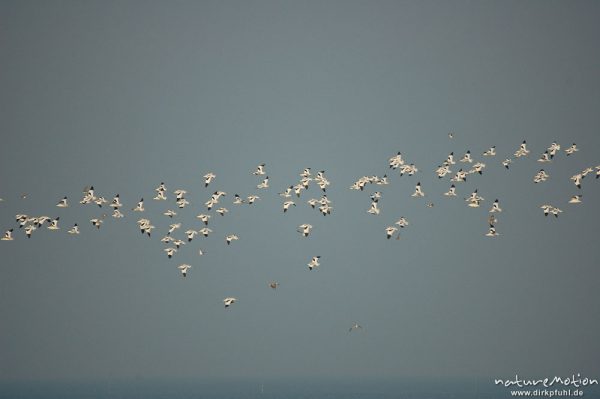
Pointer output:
314, 262
305, 229
229, 301
183, 269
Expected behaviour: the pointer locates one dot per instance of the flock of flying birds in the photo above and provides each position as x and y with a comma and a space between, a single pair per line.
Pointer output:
466, 166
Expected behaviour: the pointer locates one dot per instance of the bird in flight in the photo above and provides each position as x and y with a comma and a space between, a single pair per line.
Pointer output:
229, 301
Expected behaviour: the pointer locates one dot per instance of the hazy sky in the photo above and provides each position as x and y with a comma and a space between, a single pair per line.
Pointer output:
122, 95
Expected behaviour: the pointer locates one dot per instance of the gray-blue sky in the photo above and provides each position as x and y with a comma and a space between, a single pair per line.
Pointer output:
124, 95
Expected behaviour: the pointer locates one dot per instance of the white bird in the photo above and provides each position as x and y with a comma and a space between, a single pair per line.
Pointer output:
390, 230
586, 171
178, 243
181, 203
183, 269
383, 181
88, 195
418, 192
576, 199
522, 151
100, 201
237, 200
323, 183
402, 222
546, 208
29, 230
116, 202
572, 149
191, 234
495, 207
231, 237
287, 204
174, 227
217, 195
305, 229
577, 179
459, 176
54, 224
210, 203
222, 211
396, 161
7, 235
314, 262
451, 192
260, 170
179, 194
170, 213
147, 229
356, 326
545, 157
506, 163
160, 196
252, 198
474, 200
408, 169
229, 301
540, 176
167, 239
204, 218
40, 220
208, 178
450, 159
312, 202
161, 188
490, 152
74, 230
63, 203
442, 171
374, 209
478, 168
550, 209
139, 207
117, 214
298, 189
325, 209
466, 157
170, 251
553, 149
305, 173
205, 231
491, 232
287, 193
96, 222
264, 184
305, 182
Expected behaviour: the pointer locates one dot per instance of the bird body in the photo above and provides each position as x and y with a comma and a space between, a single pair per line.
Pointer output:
305, 229
314, 262
229, 301
183, 269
